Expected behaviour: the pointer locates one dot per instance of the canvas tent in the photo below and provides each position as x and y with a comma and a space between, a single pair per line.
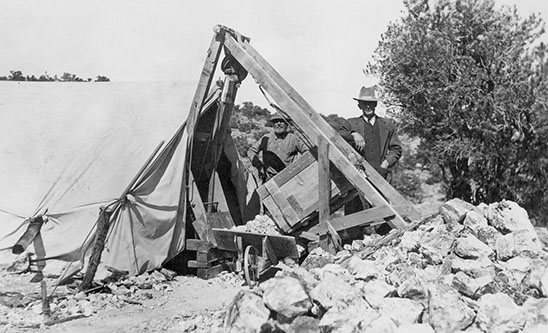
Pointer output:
68, 148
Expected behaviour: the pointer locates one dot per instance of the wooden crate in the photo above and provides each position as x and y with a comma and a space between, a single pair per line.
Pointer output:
291, 197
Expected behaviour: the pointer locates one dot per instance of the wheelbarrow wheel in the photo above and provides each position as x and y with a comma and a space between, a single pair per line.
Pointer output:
251, 266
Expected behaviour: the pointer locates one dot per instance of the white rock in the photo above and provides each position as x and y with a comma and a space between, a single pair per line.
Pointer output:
382, 324
499, 313
286, 296
469, 247
247, 313
363, 270
410, 241
345, 316
508, 216
415, 328
544, 283
506, 248
375, 291
473, 268
331, 290
536, 311
454, 210
401, 310
446, 311
474, 220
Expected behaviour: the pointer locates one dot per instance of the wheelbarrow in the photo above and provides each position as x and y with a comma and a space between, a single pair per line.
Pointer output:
256, 252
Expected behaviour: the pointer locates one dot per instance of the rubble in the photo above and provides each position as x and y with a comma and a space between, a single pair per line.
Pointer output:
261, 224
472, 269
25, 309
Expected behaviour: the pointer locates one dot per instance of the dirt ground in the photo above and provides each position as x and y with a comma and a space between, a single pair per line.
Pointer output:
183, 304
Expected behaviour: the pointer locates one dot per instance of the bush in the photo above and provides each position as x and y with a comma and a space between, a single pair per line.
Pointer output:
470, 80
408, 183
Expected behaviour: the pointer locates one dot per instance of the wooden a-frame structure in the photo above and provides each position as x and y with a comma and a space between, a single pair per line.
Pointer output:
388, 205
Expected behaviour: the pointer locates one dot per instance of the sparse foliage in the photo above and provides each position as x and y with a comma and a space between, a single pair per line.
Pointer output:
17, 75
470, 80
248, 122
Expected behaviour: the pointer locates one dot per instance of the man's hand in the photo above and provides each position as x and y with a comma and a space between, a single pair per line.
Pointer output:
256, 162
358, 140
384, 164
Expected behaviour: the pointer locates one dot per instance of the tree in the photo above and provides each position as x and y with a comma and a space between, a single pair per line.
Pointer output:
101, 78
470, 80
16, 76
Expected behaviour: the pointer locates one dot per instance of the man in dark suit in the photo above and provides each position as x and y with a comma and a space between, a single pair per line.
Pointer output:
374, 137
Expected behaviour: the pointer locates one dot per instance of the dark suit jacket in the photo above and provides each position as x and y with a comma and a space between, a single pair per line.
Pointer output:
391, 149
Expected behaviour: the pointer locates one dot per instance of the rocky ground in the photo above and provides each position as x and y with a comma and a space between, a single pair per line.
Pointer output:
149, 303
472, 269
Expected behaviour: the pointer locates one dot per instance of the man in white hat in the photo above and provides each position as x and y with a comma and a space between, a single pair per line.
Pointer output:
374, 137
279, 148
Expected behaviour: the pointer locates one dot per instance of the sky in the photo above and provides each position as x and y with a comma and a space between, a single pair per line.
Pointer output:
319, 47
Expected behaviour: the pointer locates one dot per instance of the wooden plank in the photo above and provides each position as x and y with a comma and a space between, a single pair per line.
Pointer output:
204, 82
198, 264
209, 273
308, 236
274, 211
268, 251
294, 203
290, 215
294, 168
224, 112
197, 245
283, 246
220, 220
324, 182
313, 125
300, 189
262, 192
359, 219
201, 223
212, 255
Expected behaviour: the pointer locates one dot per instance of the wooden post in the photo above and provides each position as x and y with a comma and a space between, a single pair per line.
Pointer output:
228, 97
45, 300
331, 243
205, 81
324, 183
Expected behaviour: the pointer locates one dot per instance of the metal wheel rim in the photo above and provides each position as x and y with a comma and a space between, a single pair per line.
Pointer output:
251, 266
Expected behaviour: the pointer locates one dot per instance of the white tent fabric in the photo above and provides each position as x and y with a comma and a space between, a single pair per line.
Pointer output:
69, 147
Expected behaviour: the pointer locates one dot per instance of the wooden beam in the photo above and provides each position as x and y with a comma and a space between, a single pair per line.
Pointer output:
204, 83
283, 246
224, 112
201, 223
308, 120
324, 182
359, 219
197, 245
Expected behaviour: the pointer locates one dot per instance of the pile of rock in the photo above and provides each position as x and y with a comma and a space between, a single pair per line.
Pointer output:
261, 224
473, 269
